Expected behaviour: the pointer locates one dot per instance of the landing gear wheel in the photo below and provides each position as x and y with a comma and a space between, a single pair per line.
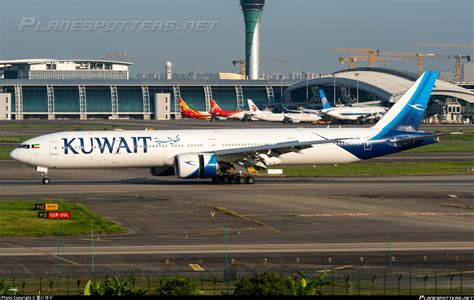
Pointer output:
215, 179
250, 180
241, 180
46, 180
225, 178
233, 179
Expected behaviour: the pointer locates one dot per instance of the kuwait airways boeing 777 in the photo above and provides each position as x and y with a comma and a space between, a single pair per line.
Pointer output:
226, 154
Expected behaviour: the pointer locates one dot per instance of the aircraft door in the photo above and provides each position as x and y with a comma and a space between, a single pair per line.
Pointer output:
211, 144
368, 146
53, 148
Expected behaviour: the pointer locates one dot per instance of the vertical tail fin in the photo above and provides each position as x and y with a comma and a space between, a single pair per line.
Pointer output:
407, 113
214, 106
324, 100
183, 105
253, 108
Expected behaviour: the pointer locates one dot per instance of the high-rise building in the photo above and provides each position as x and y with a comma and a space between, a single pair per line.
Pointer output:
252, 10
468, 72
168, 70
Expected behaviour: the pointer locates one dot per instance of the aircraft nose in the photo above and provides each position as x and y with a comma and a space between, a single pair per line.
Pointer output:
18, 155
15, 154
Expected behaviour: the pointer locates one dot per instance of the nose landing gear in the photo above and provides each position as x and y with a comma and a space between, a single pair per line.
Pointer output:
44, 173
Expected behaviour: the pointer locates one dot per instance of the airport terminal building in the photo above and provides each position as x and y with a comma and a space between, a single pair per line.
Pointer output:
86, 89
450, 101
101, 89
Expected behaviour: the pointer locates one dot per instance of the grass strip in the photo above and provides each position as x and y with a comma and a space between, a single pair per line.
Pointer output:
19, 219
5, 152
13, 139
440, 147
379, 169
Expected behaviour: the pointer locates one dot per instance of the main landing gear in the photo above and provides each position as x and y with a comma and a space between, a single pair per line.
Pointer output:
234, 178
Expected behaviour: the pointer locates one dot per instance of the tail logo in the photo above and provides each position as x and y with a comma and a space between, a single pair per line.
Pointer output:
325, 101
253, 108
417, 107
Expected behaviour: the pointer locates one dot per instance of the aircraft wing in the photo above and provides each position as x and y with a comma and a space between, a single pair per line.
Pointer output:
257, 156
287, 110
311, 111
290, 146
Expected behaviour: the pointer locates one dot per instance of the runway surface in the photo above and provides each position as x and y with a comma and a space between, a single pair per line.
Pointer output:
281, 218
239, 249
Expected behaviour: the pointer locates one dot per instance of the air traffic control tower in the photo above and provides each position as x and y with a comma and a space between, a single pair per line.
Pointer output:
252, 10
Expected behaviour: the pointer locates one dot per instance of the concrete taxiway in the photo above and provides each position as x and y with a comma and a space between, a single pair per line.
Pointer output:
278, 218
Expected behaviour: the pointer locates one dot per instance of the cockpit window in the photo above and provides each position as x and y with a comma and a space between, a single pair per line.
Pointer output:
24, 146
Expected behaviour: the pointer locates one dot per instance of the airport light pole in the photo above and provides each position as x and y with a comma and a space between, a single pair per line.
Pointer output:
92, 252
389, 247
357, 77
57, 248
226, 271
307, 93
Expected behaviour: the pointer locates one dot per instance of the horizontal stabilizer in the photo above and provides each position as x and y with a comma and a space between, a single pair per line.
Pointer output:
406, 138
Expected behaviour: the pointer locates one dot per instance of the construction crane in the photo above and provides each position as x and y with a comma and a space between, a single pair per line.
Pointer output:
371, 52
262, 61
458, 57
242, 67
457, 66
444, 45
351, 60
420, 56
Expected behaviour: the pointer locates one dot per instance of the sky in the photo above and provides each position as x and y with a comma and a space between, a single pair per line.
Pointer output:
301, 31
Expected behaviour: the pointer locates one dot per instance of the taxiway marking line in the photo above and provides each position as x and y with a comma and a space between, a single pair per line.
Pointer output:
197, 267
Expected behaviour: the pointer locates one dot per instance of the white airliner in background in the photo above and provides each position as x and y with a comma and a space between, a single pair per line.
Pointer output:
226, 154
351, 113
281, 117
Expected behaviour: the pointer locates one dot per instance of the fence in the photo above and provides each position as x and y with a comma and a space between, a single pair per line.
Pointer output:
366, 281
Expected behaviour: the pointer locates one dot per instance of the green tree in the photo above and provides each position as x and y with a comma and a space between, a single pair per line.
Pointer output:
275, 285
177, 286
264, 284
114, 286
307, 287
6, 290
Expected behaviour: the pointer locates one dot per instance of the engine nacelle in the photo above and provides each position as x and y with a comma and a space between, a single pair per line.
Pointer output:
162, 171
193, 166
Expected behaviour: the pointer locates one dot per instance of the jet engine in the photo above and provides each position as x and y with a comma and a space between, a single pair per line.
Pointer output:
193, 165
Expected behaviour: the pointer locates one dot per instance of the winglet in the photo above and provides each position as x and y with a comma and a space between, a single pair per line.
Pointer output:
324, 100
